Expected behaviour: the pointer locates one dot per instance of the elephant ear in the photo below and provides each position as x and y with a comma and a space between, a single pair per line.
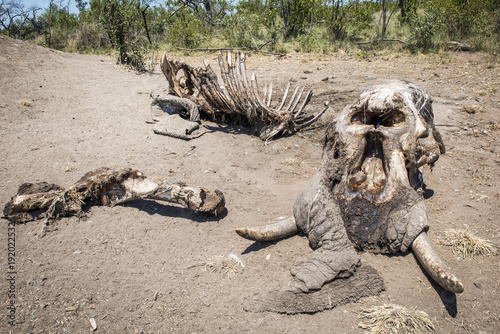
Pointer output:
366, 282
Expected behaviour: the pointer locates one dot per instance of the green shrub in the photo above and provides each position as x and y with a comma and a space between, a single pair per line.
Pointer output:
186, 31
244, 30
90, 36
422, 30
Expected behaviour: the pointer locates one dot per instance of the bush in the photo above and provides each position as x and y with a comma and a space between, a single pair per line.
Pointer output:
90, 36
315, 41
186, 31
244, 30
422, 30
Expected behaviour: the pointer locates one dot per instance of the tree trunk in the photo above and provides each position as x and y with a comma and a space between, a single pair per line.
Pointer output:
384, 19
143, 12
285, 11
312, 15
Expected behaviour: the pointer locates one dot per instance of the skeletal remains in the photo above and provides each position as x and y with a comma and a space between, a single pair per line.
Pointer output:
108, 187
367, 194
238, 99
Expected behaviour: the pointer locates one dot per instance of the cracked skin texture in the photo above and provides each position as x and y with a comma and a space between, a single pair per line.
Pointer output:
342, 212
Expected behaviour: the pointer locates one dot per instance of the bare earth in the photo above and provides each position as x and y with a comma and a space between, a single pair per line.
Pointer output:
148, 267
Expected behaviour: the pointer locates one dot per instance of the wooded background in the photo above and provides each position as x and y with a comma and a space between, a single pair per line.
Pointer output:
135, 28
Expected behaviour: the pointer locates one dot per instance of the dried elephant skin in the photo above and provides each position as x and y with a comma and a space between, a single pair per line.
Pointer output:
367, 194
105, 186
166, 111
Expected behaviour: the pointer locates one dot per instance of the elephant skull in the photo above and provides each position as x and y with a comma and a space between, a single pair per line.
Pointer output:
367, 194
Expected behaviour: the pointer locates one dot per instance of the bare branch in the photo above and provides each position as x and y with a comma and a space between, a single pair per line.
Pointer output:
384, 40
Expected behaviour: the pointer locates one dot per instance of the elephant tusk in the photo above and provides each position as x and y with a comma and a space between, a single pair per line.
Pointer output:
276, 231
434, 266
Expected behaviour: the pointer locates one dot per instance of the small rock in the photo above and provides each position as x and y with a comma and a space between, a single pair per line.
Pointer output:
93, 324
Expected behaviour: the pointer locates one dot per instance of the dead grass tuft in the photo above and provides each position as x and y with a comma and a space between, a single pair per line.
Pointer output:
290, 162
473, 109
226, 266
465, 243
394, 319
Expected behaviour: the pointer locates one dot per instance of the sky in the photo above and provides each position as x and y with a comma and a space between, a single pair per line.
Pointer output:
45, 4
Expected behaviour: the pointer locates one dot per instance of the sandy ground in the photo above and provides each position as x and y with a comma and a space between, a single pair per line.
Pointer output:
149, 267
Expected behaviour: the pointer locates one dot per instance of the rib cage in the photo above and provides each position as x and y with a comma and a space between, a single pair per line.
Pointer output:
239, 98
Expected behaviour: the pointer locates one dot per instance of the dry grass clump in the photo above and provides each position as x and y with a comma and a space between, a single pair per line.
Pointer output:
394, 319
290, 162
473, 109
465, 243
226, 266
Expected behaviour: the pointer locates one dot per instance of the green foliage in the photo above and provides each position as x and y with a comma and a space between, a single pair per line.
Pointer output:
122, 22
252, 24
315, 41
58, 26
186, 31
348, 18
423, 30
362, 15
90, 37
407, 10
295, 15
136, 27
244, 30
464, 18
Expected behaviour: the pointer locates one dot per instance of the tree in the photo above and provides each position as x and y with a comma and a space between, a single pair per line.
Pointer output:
461, 19
408, 9
339, 18
58, 24
294, 14
387, 6
16, 20
142, 7
122, 22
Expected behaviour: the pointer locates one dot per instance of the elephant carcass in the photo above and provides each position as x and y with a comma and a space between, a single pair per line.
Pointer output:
367, 194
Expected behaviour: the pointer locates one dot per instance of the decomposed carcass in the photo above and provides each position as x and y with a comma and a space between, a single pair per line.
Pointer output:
236, 99
109, 187
367, 193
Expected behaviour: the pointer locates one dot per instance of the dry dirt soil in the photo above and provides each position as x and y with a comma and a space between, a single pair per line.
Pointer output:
149, 267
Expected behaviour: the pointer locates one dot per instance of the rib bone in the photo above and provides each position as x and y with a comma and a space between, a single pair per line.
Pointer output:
240, 97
